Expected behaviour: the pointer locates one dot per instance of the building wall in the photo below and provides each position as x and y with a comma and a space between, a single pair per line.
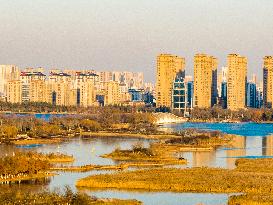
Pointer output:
7, 73
236, 82
59, 88
205, 80
179, 95
268, 81
112, 93
251, 96
37, 91
167, 68
14, 91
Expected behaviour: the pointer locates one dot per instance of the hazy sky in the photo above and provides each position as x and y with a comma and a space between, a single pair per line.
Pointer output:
129, 34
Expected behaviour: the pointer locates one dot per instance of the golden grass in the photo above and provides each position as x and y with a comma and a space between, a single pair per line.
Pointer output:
156, 155
215, 180
128, 135
37, 141
251, 199
184, 180
28, 177
264, 165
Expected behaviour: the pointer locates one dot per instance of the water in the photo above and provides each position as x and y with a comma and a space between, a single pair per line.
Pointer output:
44, 116
254, 143
254, 140
166, 198
248, 129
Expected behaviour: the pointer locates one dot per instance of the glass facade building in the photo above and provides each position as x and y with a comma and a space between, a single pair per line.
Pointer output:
179, 95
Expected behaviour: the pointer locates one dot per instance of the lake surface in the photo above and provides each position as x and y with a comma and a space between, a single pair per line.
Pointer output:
253, 142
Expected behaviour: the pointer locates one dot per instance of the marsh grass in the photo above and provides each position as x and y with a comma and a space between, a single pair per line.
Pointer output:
140, 155
8, 197
252, 177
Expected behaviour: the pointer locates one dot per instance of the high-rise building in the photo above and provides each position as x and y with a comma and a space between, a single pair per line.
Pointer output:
236, 82
60, 90
223, 98
86, 89
251, 95
37, 91
259, 100
134, 80
14, 91
26, 78
7, 73
179, 101
167, 68
214, 92
222, 77
268, 81
190, 90
112, 93
205, 80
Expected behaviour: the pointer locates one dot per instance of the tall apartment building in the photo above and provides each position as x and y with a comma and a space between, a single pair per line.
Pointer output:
221, 78
14, 91
268, 81
111, 93
26, 78
86, 89
129, 80
236, 81
167, 68
205, 81
251, 95
38, 91
60, 90
7, 73
179, 101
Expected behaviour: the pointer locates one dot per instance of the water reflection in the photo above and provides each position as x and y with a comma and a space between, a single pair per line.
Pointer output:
89, 150
267, 146
201, 159
238, 150
155, 198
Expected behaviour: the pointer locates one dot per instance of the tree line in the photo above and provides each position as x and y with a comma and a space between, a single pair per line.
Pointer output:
107, 119
217, 113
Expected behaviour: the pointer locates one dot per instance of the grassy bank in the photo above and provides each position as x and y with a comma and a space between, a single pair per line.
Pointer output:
122, 166
152, 155
251, 199
184, 180
128, 135
25, 177
48, 198
213, 180
37, 141
29, 165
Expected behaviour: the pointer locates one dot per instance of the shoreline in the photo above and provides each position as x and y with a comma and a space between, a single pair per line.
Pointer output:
28, 177
128, 135
173, 122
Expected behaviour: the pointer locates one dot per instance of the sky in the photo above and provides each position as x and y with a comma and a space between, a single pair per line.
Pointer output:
129, 34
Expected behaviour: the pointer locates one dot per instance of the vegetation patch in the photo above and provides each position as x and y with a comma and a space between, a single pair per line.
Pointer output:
140, 154
200, 138
252, 177
251, 199
48, 198
28, 165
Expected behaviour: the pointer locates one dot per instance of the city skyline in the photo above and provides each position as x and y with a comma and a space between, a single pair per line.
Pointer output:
111, 35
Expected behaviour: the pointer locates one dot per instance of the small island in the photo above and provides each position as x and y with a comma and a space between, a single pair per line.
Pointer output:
29, 165
255, 183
